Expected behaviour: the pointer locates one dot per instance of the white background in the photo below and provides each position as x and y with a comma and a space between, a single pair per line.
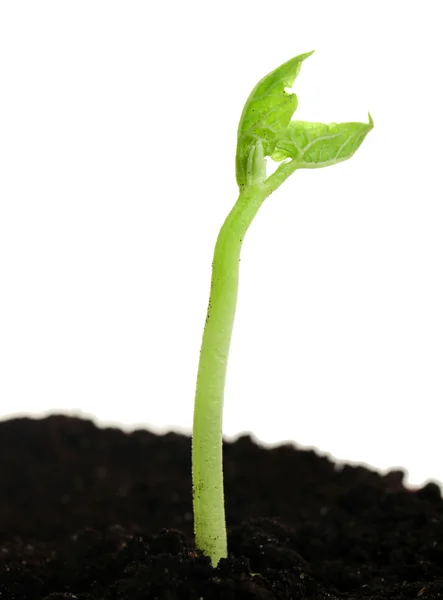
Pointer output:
117, 140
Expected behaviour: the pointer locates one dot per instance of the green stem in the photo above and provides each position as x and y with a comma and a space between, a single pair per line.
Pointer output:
207, 471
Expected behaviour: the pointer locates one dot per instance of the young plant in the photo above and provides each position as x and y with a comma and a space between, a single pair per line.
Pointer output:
265, 130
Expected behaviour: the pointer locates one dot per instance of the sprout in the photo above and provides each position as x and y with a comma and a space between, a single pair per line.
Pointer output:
265, 130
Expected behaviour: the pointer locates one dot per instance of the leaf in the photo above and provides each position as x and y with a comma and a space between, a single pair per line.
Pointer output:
314, 145
267, 113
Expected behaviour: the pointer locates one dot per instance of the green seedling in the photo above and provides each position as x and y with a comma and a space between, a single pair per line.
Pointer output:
265, 130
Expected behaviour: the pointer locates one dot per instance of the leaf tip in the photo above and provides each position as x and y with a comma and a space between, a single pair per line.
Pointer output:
371, 120
302, 57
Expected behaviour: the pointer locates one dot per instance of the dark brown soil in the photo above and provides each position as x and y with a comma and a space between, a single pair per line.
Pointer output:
98, 514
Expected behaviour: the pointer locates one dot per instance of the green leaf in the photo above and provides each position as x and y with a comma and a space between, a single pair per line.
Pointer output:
266, 114
314, 145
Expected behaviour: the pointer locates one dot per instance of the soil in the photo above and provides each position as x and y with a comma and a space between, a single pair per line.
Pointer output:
88, 513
